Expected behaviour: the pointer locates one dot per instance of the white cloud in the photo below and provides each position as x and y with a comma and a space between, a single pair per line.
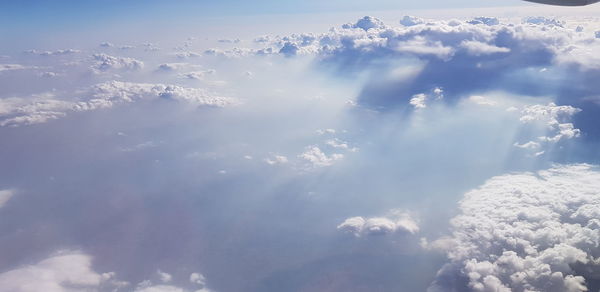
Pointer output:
555, 118
54, 53
439, 39
411, 20
106, 62
482, 100
489, 21
42, 108
64, 272
368, 22
13, 67
326, 131
5, 196
423, 46
395, 222
37, 109
477, 48
159, 288
197, 75
198, 279
528, 232
276, 159
167, 67
187, 54
340, 144
528, 145
316, 158
543, 21
116, 91
419, 101
164, 277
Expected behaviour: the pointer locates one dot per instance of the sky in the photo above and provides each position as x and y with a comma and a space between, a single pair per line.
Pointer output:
162, 146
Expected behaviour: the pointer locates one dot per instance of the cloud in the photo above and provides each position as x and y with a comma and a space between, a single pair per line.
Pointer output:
337, 143
478, 48
421, 46
482, 100
5, 196
106, 62
276, 159
448, 53
418, 101
229, 41
13, 67
197, 280
42, 108
528, 145
489, 21
177, 168
27, 111
164, 277
53, 53
187, 54
326, 131
159, 288
411, 20
63, 272
527, 232
544, 21
197, 75
396, 222
555, 118
316, 158
366, 23
168, 67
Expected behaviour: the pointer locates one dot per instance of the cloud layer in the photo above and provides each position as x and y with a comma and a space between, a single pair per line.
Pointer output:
271, 163
527, 232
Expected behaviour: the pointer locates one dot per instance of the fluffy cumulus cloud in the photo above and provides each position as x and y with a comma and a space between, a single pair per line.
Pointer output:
420, 100
197, 283
104, 62
554, 117
395, 222
42, 108
315, 157
447, 40
66, 271
465, 57
527, 232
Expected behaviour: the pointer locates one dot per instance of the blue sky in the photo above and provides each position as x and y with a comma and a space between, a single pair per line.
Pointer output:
61, 14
